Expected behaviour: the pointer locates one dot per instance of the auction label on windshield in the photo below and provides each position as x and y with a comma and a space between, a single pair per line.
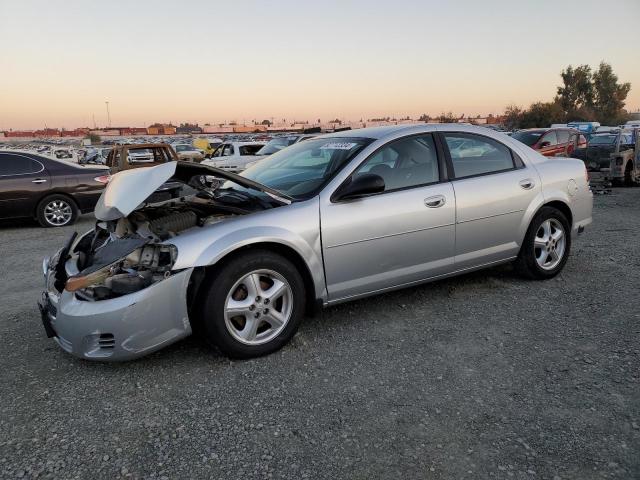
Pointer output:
338, 146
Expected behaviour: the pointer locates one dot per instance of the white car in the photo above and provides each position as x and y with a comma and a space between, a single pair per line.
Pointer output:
189, 153
234, 156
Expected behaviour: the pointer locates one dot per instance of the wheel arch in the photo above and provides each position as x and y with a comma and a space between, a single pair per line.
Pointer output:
201, 274
562, 207
557, 203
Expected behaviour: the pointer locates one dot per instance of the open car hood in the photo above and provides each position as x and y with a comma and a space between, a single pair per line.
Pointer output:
128, 189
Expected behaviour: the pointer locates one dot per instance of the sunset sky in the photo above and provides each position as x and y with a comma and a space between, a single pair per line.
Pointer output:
214, 61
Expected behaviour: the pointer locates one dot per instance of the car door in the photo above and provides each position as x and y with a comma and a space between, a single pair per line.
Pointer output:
23, 179
493, 189
399, 236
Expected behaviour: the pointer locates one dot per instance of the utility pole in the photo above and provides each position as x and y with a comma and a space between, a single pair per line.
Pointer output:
108, 115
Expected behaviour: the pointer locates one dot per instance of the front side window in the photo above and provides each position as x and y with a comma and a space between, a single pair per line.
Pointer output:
477, 155
13, 164
404, 163
549, 139
227, 151
563, 136
249, 149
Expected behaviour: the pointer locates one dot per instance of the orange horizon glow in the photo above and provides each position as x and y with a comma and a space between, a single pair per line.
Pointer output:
209, 62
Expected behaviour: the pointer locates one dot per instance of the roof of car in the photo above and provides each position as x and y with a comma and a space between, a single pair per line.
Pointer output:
377, 133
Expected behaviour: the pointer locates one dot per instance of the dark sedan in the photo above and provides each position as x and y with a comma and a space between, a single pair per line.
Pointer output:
53, 192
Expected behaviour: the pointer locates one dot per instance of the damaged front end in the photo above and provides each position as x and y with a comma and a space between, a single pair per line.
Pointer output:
113, 293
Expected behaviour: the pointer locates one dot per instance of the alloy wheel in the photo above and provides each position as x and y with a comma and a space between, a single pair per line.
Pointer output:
58, 213
549, 244
258, 307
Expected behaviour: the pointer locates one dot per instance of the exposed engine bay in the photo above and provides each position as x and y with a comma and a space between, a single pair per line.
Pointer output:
123, 256
130, 249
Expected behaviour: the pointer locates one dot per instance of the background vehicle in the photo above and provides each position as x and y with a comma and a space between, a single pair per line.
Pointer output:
207, 146
189, 153
324, 221
51, 191
234, 156
585, 128
123, 157
551, 142
614, 155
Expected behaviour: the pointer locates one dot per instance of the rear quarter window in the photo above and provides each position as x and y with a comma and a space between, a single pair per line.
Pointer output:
16, 164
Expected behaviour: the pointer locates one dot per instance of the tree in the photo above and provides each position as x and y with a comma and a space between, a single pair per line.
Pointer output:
577, 92
424, 118
447, 118
265, 122
609, 95
512, 117
542, 114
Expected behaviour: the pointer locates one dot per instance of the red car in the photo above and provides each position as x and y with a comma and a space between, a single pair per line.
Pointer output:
552, 142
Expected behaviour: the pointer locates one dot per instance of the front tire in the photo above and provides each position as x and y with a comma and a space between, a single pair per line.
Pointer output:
56, 211
253, 304
546, 245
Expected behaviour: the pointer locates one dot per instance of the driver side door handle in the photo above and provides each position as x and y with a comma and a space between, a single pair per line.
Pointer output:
527, 183
435, 201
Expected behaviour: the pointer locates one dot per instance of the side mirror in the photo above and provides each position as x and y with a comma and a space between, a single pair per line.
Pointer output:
360, 186
544, 144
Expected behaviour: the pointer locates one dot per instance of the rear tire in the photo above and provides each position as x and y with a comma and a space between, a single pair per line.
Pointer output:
253, 304
629, 181
56, 211
546, 245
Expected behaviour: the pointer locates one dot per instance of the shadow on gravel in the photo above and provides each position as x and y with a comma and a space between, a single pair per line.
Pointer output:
195, 350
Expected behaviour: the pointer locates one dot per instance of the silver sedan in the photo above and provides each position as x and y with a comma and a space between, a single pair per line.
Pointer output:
240, 260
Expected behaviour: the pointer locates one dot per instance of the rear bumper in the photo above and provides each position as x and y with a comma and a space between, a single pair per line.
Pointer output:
582, 210
121, 328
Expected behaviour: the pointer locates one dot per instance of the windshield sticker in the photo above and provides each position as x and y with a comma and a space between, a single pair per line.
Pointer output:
338, 146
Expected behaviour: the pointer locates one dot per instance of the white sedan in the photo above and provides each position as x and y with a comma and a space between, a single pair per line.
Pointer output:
234, 156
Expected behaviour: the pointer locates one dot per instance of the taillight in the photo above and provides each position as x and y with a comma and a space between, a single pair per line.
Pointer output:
103, 179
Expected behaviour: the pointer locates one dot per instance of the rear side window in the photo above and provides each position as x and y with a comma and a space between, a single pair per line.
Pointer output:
408, 162
477, 155
15, 164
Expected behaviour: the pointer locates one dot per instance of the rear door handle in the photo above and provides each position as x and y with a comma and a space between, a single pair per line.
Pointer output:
527, 183
39, 180
435, 201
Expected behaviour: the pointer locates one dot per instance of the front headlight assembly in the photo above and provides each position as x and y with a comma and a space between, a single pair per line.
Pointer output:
137, 270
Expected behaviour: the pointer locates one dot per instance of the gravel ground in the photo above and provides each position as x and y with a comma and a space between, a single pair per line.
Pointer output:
481, 376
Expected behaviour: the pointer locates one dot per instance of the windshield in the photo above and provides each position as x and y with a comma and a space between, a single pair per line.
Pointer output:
302, 169
276, 145
603, 140
528, 138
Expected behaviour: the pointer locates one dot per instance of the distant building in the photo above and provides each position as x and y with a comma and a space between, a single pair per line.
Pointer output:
20, 133
106, 132
187, 128
161, 129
